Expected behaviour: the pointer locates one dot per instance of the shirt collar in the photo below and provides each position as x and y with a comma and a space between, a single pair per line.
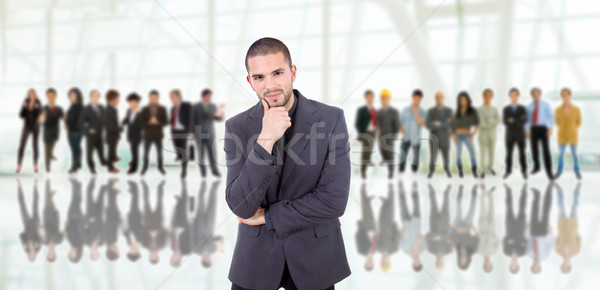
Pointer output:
293, 109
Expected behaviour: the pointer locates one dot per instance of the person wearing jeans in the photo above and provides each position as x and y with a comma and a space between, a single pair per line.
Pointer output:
412, 121
74, 123
568, 120
464, 128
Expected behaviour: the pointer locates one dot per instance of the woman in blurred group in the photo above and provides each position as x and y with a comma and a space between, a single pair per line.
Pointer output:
464, 128
30, 112
75, 127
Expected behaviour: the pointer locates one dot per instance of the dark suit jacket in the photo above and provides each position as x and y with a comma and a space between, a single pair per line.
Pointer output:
203, 121
153, 131
52, 123
516, 129
113, 130
93, 120
304, 202
134, 128
184, 115
363, 118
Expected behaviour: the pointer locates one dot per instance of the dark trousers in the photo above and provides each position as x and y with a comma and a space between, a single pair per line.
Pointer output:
539, 136
510, 146
404, 150
48, 153
180, 144
94, 143
34, 131
515, 224
134, 148
75, 144
112, 152
404, 212
367, 140
159, 156
435, 148
539, 223
286, 282
207, 144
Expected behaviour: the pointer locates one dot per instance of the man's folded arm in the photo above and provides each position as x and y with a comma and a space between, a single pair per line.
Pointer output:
324, 203
247, 179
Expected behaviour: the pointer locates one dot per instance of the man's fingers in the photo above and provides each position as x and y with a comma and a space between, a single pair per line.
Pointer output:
265, 105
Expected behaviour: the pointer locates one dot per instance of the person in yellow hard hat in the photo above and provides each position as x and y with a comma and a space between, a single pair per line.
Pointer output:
388, 126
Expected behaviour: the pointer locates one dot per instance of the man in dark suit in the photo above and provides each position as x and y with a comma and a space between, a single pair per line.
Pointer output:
50, 120
514, 117
439, 122
153, 119
514, 244
388, 126
204, 115
366, 125
113, 130
288, 198
93, 122
134, 130
181, 128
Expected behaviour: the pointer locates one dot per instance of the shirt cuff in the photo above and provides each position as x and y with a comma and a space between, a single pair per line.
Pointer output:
268, 223
266, 156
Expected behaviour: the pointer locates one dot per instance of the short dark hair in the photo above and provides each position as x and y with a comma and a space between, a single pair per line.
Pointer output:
205, 92
50, 90
566, 89
111, 95
417, 93
78, 95
486, 90
153, 92
268, 45
535, 89
133, 97
369, 92
514, 90
177, 92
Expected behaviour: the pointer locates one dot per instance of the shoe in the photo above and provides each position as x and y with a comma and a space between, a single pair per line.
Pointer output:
183, 174
493, 172
534, 171
18, 169
448, 174
430, 174
143, 172
35, 168
363, 175
578, 175
72, 170
114, 170
117, 160
474, 171
53, 158
557, 175
162, 171
460, 172
93, 171
216, 174
506, 175
131, 171
524, 173
482, 175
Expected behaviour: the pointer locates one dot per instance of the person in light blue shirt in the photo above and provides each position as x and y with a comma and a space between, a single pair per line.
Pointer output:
540, 121
412, 120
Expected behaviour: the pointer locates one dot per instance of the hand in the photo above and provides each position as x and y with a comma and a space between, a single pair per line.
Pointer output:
153, 120
471, 135
510, 120
434, 123
527, 135
549, 132
92, 131
256, 220
275, 121
485, 120
454, 137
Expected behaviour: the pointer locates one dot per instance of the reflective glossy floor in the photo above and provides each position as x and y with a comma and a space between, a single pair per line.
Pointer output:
61, 232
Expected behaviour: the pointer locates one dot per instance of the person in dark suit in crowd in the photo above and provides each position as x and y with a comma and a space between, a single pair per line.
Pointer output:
205, 241
76, 223
366, 127
53, 235
50, 120
464, 235
439, 124
112, 221
93, 122
133, 231
154, 233
540, 239
113, 130
134, 130
514, 117
366, 229
31, 237
388, 127
514, 244
75, 118
204, 115
438, 239
153, 118
288, 200
181, 228
181, 128
540, 122
388, 234
94, 219
30, 112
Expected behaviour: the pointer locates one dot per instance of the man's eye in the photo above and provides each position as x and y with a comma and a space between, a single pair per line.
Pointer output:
278, 73
257, 78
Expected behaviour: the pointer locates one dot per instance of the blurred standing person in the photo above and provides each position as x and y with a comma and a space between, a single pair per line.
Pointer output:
412, 240
181, 128
75, 117
30, 112
438, 238
153, 119
388, 233
411, 124
93, 123
568, 239
388, 125
134, 130
489, 119
113, 130
204, 114
366, 125
50, 119
464, 127
540, 120
53, 235
464, 234
488, 238
568, 120
540, 240
439, 123
514, 243
514, 118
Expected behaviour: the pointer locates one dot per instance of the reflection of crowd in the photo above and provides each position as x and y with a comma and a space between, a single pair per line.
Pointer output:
469, 232
192, 230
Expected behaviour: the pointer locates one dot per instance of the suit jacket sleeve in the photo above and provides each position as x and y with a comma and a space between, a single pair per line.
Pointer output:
213, 110
429, 120
328, 199
247, 179
162, 117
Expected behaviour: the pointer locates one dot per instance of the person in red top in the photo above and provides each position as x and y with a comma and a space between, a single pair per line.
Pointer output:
366, 124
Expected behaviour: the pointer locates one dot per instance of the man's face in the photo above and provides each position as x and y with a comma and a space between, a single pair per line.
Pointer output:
565, 95
385, 102
439, 98
133, 104
175, 98
207, 98
536, 95
94, 97
153, 99
369, 99
51, 97
514, 97
114, 102
416, 100
487, 97
271, 77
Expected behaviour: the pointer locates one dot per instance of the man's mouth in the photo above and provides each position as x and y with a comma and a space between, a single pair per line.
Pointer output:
273, 95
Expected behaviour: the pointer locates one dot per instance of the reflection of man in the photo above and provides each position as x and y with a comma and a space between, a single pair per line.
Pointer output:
366, 227
388, 235
488, 239
366, 124
288, 194
514, 243
438, 238
540, 240
181, 127
31, 238
568, 240
412, 241
205, 243
204, 115
133, 230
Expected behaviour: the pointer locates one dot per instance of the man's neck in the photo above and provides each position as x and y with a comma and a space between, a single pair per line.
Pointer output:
290, 103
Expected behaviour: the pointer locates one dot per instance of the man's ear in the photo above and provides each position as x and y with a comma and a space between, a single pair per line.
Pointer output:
248, 79
293, 68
